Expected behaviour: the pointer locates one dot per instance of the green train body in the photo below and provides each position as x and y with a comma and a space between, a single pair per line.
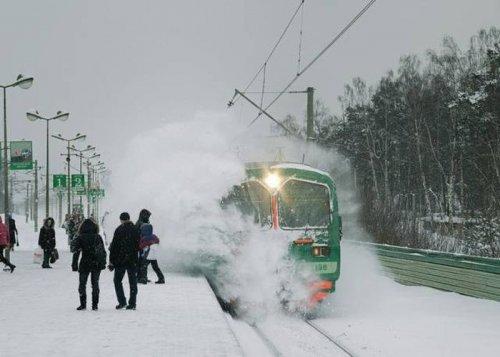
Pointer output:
302, 201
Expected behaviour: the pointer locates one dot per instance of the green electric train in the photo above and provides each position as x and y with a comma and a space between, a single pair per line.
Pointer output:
302, 202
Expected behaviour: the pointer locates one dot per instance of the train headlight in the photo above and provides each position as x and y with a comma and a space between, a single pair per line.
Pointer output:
320, 250
272, 181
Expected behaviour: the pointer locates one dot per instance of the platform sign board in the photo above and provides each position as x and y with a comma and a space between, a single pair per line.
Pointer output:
81, 192
21, 155
78, 181
96, 192
59, 181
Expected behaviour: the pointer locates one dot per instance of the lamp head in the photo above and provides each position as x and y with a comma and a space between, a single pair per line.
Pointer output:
24, 82
61, 116
32, 116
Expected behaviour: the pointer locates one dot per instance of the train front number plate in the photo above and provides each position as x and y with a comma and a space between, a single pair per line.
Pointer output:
324, 267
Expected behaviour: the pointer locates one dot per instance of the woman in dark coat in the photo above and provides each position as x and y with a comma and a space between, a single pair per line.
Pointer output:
12, 233
89, 243
47, 240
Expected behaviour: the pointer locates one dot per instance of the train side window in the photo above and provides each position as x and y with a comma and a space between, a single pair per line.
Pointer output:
253, 200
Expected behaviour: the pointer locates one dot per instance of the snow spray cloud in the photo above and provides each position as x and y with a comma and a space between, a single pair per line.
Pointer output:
181, 171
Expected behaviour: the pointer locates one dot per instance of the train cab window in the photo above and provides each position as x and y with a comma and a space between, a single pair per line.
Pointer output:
251, 199
303, 204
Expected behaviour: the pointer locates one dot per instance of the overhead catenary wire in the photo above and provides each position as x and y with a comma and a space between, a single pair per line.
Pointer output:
299, 57
321, 53
261, 68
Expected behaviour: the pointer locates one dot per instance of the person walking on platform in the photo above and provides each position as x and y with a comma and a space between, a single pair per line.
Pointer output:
4, 243
89, 243
47, 241
123, 258
142, 269
11, 225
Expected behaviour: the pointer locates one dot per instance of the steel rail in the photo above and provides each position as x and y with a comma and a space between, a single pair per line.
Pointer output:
330, 338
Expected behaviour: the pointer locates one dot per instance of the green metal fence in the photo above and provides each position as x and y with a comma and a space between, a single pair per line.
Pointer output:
468, 275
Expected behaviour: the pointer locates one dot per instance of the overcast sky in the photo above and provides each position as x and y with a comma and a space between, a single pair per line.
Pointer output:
120, 67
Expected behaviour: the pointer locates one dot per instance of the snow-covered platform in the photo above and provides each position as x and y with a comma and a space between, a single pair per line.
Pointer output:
38, 316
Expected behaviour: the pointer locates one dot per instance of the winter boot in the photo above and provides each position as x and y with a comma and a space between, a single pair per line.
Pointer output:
130, 307
120, 306
12, 267
160, 281
95, 303
83, 303
95, 300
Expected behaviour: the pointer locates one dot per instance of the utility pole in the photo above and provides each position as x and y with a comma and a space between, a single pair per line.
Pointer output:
89, 180
35, 201
24, 83
34, 117
30, 202
27, 212
11, 193
310, 114
89, 177
68, 161
81, 156
60, 199
81, 173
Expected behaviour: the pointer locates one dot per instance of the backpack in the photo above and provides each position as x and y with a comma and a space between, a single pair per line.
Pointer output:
100, 254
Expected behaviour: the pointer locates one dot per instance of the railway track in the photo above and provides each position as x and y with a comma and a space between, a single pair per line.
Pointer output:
289, 335
329, 337
269, 344
321, 343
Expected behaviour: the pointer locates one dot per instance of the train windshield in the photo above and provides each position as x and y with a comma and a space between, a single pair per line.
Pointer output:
303, 204
252, 199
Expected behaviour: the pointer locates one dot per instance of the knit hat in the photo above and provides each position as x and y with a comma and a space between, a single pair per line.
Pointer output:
124, 216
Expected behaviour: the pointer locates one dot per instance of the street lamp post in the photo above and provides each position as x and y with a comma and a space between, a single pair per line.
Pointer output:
34, 204
81, 156
33, 117
68, 160
24, 83
89, 177
100, 169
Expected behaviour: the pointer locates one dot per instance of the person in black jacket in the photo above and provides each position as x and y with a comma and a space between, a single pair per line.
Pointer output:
89, 243
12, 233
47, 240
142, 267
123, 257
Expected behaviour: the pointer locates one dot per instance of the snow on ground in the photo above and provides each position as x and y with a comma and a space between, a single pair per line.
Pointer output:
38, 316
374, 316
369, 314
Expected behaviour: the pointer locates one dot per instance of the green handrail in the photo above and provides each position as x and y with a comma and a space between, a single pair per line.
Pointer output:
468, 275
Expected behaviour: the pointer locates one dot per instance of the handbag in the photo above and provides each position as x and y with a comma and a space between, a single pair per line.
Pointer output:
54, 256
